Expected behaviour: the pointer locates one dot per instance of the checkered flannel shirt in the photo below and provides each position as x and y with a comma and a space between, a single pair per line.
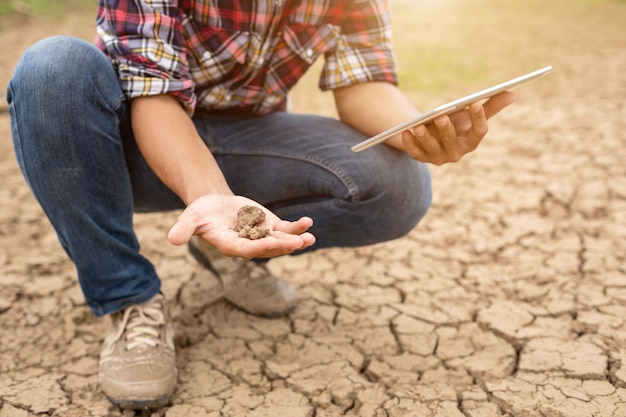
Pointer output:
246, 55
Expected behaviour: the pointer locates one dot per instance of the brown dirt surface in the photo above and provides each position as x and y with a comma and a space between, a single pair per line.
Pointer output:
247, 219
509, 299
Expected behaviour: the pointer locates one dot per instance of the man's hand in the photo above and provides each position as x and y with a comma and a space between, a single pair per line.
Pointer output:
213, 218
448, 138
177, 154
377, 106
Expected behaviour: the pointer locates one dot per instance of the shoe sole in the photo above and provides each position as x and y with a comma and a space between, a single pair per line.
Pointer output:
198, 256
141, 404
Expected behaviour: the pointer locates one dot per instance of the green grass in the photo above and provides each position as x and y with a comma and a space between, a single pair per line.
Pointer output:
18, 12
37, 8
30, 7
436, 69
463, 45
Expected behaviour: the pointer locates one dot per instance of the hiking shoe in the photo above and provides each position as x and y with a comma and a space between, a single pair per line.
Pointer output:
137, 362
248, 285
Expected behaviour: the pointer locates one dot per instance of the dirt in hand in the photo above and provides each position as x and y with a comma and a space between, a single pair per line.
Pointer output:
247, 219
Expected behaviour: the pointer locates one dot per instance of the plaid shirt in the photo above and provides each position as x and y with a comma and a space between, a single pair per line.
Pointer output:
221, 54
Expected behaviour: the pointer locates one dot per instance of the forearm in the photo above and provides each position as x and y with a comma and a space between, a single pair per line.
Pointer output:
374, 107
170, 144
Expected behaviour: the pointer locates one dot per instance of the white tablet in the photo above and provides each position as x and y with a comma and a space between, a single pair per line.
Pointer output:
450, 107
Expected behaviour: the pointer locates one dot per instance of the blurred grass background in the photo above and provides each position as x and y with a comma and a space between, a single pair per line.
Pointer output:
441, 45
449, 48
30, 7
444, 48
40, 8
47, 7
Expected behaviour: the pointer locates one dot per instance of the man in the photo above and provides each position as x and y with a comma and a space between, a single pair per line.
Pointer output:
185, 109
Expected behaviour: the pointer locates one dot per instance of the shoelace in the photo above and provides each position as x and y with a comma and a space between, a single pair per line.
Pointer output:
141, 327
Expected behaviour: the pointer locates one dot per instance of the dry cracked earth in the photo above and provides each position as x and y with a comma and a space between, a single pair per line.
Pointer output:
509, 299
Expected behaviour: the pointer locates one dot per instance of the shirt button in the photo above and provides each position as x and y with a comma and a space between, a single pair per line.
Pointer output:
309, 53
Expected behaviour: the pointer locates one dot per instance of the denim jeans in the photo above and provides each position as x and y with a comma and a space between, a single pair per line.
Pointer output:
74, 144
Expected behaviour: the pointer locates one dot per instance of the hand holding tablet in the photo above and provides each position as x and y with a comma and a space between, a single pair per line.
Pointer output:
449, 108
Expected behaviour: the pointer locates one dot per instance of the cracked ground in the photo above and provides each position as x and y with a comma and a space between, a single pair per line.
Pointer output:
509, 299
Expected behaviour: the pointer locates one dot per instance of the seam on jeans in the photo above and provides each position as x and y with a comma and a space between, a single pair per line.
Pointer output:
17, 139
286, 211
115, 103
206, 131
353, 191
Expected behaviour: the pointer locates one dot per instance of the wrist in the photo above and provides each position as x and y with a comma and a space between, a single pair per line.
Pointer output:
193, 193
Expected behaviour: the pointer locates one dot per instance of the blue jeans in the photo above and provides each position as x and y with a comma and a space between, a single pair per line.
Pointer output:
74, 144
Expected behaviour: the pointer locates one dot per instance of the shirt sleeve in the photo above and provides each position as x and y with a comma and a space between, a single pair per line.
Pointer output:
364, 52
145, 42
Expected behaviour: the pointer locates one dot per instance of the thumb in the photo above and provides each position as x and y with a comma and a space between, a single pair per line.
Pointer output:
497, 103
181, 232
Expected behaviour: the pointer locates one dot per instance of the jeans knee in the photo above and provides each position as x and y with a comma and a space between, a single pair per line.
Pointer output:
44, 60
64, 79
420, 199
54, 65
403, 205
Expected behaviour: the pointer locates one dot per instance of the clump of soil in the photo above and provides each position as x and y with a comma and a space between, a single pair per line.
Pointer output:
247, 219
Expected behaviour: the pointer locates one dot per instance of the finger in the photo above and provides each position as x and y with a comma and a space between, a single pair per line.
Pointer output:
276, 244
448, 139
289, 243
298, 227
411, 147
293, 236
497, 103
409, 144
429, 144
421, 144
479, 126
181, 232
414, 146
